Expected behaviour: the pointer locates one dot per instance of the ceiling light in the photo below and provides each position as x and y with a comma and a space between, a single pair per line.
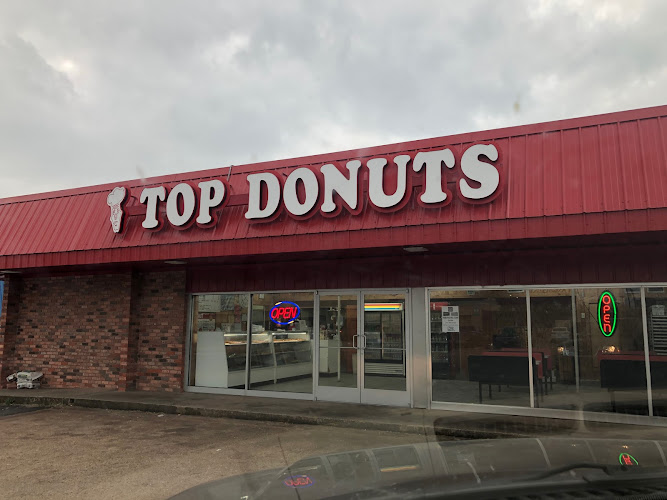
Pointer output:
415, 249
175, 262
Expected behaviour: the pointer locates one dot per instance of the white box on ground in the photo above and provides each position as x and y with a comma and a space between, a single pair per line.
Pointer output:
26, 380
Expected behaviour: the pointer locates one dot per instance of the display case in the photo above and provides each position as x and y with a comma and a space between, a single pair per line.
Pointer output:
440, 347
373, 333
290, 356
384, 351
293, 350
235, 351
221, 357
261, 353
440, 355
392, 336
657, 329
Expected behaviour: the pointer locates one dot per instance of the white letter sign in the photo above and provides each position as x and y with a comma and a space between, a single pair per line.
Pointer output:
212, 195
325, 190
290, 198
345, 187
433, 160
255, 210
187, 193
484, 173
150, 197
376, 177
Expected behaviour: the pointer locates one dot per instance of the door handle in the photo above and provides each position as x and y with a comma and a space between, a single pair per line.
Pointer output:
364, 339
354, 340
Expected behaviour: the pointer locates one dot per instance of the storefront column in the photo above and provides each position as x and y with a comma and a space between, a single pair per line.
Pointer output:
10, 301
420, 341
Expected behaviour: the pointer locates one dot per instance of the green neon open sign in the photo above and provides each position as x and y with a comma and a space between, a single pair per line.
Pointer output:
607, 314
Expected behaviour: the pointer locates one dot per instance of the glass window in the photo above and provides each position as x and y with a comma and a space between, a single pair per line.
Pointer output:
219, 333
384, 342
338, 335
612, 369
656, 316
597, 362
281, 350
553, 341
479, 347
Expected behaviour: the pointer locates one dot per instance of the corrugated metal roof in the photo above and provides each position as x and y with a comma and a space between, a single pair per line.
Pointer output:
559, 178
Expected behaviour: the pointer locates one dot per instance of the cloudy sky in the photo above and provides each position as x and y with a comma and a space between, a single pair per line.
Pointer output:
94, 92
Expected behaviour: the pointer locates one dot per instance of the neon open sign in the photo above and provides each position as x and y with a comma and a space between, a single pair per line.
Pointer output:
607, 314
285, 313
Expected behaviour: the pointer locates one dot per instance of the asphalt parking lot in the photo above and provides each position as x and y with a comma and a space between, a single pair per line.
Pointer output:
93, 453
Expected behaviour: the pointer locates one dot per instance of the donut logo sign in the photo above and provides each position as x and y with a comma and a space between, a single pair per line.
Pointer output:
115, 200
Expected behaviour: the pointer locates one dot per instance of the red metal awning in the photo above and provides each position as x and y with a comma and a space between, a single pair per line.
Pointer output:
586, 176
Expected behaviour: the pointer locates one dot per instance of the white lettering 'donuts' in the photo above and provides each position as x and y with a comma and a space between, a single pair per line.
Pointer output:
433, 160
311, 187
255, 181
376, 177
486, 174
114, 199
345, 187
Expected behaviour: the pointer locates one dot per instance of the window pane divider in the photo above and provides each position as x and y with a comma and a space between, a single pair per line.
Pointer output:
647, 359
248, 344
575, 339
530, 352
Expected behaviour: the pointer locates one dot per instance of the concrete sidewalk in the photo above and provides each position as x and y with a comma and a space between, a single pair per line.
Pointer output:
431, 423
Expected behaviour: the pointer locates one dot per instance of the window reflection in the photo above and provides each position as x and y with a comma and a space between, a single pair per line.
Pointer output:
218, 349
281, 350
656, 316
479, 347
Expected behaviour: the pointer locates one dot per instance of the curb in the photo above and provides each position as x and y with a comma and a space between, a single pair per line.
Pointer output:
437, 430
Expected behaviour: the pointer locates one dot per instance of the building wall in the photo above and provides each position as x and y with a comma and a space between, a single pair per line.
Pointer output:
612, 263
108, 331
72, 329
158, 330
8, 324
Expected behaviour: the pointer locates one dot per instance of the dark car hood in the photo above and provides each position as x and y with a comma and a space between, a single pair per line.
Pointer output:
452, 463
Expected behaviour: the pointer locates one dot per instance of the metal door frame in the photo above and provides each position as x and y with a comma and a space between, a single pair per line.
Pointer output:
383, 396
360, 394
337, 394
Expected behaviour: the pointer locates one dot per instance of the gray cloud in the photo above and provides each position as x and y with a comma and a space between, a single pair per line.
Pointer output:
95, 92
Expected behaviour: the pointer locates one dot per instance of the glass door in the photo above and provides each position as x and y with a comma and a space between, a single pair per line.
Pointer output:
363, 354
384, 347
339, 354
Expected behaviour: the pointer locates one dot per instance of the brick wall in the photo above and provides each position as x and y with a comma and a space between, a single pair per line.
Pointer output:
71, 328
113, 331
158, 330
8, 324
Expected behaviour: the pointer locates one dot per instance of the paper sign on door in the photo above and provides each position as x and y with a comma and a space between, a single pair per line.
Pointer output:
450, 319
